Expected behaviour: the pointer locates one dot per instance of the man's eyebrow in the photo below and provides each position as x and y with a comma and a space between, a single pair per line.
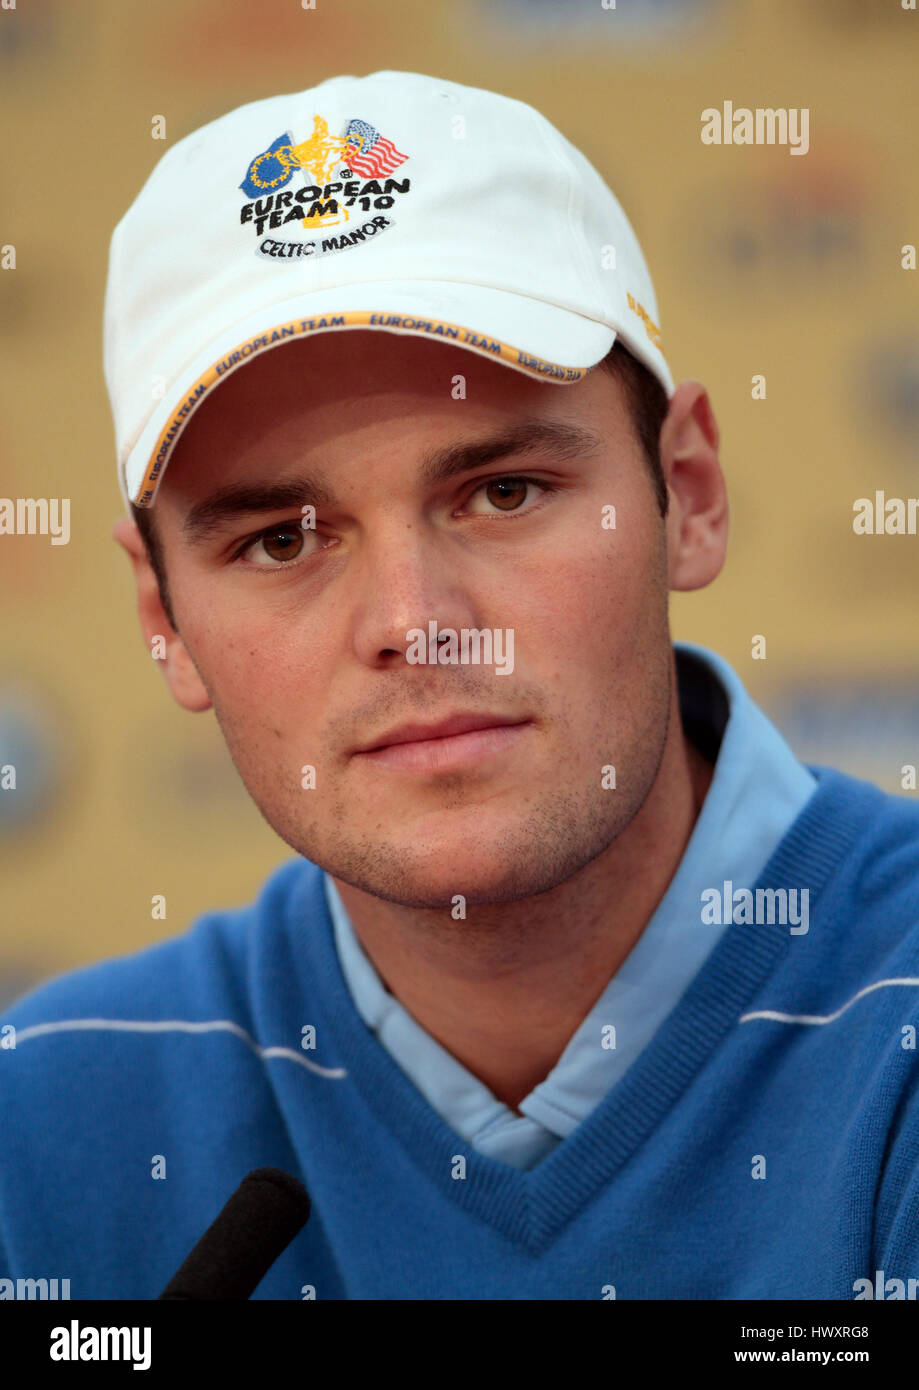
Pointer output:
244, 498
563, 441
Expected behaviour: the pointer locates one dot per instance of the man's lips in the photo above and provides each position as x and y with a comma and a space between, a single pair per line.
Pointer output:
444, 728
447, 745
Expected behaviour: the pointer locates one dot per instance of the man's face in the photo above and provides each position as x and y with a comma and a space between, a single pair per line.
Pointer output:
300, 635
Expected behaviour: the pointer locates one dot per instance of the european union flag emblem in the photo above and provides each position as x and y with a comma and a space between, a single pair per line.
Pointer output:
268, 170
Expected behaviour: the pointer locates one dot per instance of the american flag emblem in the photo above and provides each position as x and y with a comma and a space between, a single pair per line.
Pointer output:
368, 152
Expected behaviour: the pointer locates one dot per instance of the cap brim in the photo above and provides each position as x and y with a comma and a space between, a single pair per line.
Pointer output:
541, 340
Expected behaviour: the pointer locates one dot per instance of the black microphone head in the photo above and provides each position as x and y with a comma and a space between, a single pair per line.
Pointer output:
236, 1251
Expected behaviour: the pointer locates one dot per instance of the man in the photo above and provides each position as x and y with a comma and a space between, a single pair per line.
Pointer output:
579, 984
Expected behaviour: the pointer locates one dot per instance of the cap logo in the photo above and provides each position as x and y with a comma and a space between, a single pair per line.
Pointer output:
651, 327
344, 177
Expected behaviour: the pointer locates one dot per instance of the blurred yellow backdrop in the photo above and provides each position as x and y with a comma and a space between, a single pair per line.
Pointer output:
763, 263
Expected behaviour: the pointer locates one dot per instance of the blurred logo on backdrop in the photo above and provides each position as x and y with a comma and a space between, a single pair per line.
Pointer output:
850, 17
885, 380
35, 759
296, 45
180, 787
613, 19
28, 31
775, 228
869, 729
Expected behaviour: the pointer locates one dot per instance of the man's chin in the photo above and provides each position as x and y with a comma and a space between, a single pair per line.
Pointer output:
452, 880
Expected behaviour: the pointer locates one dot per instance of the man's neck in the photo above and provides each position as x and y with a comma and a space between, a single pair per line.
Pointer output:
506, 1001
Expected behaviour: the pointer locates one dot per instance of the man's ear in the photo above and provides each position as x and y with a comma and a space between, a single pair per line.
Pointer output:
697, 520
161, 638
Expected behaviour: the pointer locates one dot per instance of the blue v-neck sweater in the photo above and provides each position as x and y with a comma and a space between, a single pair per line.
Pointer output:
764, 1145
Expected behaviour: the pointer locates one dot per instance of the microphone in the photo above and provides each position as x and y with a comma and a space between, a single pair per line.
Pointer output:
236, 1251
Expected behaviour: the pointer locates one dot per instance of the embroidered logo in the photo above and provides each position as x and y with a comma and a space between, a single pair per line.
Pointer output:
651, 327
344, 176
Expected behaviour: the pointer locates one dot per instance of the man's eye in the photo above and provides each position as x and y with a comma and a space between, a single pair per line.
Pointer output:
276, 545
508, 494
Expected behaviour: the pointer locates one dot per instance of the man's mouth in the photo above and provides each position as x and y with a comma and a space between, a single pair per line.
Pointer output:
449, 743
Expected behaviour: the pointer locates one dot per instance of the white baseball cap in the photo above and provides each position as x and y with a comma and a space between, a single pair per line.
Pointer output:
394, 201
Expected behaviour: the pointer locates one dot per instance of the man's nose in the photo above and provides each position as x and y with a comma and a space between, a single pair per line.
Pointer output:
407, 578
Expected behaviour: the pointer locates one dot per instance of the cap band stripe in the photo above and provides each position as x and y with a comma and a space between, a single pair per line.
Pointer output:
397, 323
